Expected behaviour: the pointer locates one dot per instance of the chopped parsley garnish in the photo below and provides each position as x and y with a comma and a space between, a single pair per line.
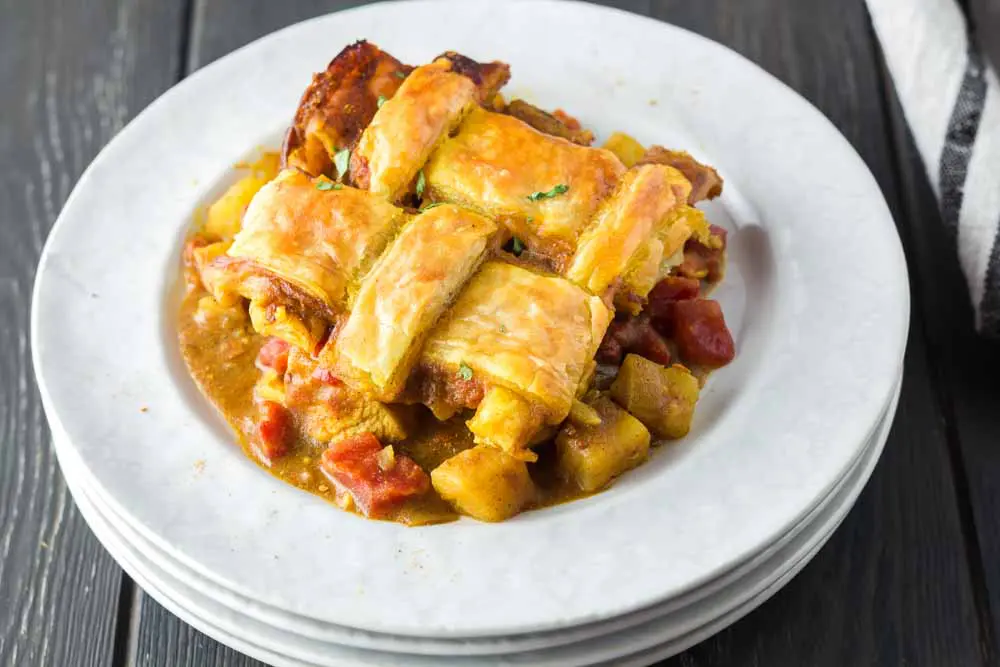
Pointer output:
381, 101
432, 205
554, 192
338, 186
400, 75
503, 329
341, 160
464, 372
324, 185
421, 183
516, 246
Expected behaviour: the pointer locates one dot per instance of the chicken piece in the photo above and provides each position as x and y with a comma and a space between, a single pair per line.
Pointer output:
705, 181
485, 483
590, 456
339, 104
545, 122
327, 409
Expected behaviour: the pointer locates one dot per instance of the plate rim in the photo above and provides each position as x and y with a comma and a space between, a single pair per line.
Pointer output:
44, 272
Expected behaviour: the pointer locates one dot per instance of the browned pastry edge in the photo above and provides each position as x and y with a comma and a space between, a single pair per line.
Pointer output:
341, 101
705, 180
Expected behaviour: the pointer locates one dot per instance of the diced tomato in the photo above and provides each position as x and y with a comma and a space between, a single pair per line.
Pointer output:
326, 376
663, 296
357, 466
274, 431
701, 334
274, 355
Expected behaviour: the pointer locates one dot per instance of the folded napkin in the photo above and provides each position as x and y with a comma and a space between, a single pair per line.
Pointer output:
951, 99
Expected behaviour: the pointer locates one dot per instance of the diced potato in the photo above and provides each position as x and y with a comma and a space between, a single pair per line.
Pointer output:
583, 414
661, 398
484, 482
628, 150
505, 420
270, 387
225, 216
591, 456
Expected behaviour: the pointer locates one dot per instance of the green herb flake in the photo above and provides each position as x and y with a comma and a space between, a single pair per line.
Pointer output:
421, 183
503, 329
562, 188
338, 186
324, 185
464, 372
342, 160
517, 246
400, 75
433, 204
381, 101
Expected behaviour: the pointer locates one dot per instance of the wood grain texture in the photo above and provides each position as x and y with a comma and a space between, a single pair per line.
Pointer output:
71, 74
892, 586
964, 367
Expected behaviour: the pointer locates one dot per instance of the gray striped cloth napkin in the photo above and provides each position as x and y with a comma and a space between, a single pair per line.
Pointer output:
951, 99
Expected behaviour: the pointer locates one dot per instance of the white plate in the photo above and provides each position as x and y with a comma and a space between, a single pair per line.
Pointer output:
340, 635
818, 271
662, 636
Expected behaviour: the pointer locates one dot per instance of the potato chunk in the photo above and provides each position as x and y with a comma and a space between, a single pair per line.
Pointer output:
628, 150
661, 398
226, 214
484, 482
591, 456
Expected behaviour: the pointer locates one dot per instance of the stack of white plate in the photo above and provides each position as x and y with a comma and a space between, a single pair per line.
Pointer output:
784, 438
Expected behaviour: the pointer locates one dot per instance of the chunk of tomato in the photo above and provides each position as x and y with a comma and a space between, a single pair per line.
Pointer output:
377, 483
274, 431
701, 333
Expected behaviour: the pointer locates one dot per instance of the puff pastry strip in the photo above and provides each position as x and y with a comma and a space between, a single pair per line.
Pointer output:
625, 222
405, 294
495, 163
338, 104
302, 250
533, 335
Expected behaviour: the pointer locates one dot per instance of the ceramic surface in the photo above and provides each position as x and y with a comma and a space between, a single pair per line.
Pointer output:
818, 347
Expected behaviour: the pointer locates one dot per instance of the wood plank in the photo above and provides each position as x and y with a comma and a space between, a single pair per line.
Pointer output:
892, 586
217, 28
964, 368
72, 75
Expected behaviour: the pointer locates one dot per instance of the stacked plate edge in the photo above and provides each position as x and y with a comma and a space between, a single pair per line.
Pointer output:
776, 436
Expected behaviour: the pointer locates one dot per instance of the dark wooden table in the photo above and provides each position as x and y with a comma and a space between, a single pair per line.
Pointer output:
911, 578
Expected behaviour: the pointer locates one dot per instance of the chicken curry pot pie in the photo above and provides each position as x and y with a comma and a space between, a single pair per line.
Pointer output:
437, 302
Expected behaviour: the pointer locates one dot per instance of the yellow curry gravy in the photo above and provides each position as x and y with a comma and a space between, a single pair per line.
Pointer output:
220, 348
